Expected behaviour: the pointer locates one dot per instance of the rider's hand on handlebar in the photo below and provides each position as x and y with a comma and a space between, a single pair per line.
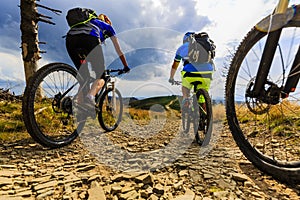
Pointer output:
126, 69
171, 80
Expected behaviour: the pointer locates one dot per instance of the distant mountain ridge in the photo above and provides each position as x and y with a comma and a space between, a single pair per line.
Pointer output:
147, 103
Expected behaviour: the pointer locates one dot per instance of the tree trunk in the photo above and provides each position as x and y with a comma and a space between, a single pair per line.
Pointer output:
29, 37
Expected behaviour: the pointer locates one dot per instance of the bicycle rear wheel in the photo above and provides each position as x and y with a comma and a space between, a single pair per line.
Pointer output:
48, 105
268, 135
111, 109
203, 121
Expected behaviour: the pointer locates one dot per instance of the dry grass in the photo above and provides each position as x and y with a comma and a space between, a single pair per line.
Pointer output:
11, 121
137, 114
219, 112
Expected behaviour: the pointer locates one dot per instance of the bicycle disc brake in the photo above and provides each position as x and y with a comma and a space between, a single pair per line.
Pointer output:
255, 105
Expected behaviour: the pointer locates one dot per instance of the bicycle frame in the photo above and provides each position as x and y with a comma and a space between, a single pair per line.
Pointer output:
192, 93
266, 62
108, 83
108, 80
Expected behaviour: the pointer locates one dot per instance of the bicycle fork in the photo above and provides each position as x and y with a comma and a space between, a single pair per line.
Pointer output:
294, 75
114, 98
265, 63
274, 93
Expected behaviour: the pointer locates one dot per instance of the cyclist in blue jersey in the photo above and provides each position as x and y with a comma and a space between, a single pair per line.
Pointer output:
88, 38
191, 71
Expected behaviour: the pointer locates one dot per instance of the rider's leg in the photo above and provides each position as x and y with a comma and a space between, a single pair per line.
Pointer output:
73, 44
91, 46
96, 58
96, 87
185, 89
185, 92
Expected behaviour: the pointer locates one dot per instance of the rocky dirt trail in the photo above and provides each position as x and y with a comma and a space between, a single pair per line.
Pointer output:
29, 171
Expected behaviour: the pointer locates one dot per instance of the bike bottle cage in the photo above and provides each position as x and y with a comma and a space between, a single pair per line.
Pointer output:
190, 74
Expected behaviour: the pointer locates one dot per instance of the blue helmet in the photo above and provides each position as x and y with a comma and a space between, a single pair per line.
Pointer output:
186, 36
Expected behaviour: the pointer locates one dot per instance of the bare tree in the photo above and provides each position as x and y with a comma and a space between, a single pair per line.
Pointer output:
29, 29
29, 37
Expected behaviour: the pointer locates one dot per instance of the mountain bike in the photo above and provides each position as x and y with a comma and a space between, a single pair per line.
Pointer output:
51, 111
197, 115
262, 99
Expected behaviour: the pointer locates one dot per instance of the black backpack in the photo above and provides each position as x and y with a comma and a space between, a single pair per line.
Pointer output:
78, 16
201, 48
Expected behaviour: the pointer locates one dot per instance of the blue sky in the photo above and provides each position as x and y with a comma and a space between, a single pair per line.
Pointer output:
149, 32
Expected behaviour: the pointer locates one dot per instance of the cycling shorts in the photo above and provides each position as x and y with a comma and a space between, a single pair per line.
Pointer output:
92, 46
204, 77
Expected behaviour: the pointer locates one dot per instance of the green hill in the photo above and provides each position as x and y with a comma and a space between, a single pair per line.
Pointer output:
165, 101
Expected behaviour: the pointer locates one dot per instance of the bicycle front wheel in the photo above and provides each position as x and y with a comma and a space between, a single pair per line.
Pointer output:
48, 105
268, 135
203, 121
111, 109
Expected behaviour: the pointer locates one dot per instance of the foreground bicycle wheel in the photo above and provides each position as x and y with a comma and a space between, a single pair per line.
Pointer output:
48, 105
203, 121
111, 109
268, 135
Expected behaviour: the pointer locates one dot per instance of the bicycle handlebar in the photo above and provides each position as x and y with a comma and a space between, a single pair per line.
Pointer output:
176, 82
113, 70
120, 71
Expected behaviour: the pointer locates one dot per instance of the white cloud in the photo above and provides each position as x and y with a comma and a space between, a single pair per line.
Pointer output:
232, 19
226, 21
11, 66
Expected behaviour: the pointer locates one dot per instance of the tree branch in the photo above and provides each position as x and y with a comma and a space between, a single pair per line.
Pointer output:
46, 21
44, 16
51, 9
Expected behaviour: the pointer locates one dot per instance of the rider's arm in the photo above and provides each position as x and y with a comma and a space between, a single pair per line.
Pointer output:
119, 51
174, 68
176, 62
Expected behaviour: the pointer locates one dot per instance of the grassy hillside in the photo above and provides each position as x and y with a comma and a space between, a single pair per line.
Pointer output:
139, 108
12, 126
165, 101
11, 121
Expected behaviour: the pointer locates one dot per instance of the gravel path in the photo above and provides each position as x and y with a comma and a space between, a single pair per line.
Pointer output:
127, 164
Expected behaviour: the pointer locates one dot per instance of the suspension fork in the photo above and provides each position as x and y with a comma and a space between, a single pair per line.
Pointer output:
266, 62
294, 75
269, 52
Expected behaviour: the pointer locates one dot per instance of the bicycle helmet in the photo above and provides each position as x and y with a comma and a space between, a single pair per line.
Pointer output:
187, 36
104, 18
